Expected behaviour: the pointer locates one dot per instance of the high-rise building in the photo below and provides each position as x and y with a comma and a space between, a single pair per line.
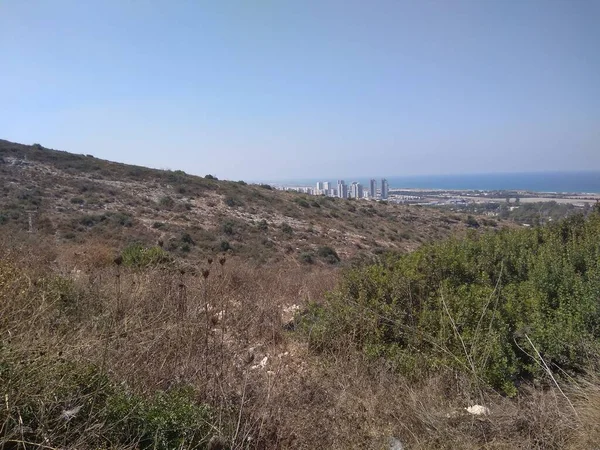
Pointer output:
319, 186
342, 189
373, 188
384, 189
326, 185
356, 190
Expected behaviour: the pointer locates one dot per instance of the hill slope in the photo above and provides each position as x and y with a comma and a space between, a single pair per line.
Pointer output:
79, 197
213, 353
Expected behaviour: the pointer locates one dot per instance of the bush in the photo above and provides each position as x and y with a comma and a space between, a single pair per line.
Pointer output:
186, 238
224, 246
286, 228
266, 186
228, 227
328, 254
136, 255
64, 400
477, 305
489, 223
211, 177
166, 202
165, 421
122, 219
306, 257
472, 222
77, 201
232, 202
90, 220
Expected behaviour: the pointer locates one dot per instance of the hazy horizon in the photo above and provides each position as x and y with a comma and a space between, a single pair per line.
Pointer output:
301, 91
419, 175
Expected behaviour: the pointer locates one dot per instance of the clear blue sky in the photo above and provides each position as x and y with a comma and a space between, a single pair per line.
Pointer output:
278, 89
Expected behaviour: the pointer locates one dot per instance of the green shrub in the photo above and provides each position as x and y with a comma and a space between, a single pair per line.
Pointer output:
166, 421
224, 246
77, 201
472, 222
302, 202
63, 401
122, 219
186, 238
228, 227
489, 223
329, 254
136, 255
306, 257
166, 202
232, 202
406, 235
477, 305
286, 228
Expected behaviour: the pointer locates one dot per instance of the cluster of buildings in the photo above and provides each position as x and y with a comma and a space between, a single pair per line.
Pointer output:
353, 190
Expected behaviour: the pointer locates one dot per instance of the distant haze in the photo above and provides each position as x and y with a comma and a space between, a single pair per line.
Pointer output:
307, 89
573, 182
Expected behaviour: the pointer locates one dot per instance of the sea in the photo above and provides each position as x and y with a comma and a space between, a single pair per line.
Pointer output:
556, 182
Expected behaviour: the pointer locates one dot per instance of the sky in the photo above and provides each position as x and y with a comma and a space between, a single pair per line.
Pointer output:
275, 89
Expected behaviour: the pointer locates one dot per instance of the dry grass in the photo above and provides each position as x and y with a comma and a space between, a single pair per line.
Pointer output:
78, 199
157, 328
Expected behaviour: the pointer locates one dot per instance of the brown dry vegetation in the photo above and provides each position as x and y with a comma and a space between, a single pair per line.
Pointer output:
78, 199
157, 328
81, 331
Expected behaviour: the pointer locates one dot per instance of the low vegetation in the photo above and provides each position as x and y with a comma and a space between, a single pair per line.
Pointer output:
530, 213
126, 323
80, 199
505, 307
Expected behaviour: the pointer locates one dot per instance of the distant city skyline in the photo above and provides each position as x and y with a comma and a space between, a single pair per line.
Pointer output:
282, 90
580, 181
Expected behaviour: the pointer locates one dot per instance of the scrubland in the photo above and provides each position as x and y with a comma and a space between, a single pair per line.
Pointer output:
112, 338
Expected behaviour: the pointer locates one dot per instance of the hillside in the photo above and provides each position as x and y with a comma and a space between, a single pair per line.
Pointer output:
78, 198
150, 309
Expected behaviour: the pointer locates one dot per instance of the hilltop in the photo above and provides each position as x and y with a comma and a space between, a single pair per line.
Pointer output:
78, 198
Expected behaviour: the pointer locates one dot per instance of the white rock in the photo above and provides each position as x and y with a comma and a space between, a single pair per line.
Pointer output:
396, 444
70, 413
261, 364
478, 410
